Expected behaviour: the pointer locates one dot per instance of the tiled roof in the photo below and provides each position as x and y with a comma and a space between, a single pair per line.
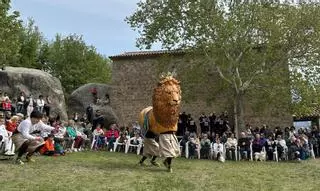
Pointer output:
146, 54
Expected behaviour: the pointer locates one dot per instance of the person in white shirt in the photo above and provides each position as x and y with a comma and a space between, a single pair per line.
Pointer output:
231, 146
30, 105
5, 138
25, 139
218, 150
40, 104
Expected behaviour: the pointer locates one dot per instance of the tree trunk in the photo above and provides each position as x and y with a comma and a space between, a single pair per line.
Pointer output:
238, 109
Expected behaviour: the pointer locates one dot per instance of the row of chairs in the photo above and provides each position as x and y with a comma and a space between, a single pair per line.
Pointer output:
253, 156
118, 145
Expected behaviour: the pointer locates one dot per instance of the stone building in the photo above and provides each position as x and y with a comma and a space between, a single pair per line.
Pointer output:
134, 75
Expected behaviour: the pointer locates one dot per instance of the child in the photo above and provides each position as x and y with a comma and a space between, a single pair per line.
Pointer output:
58, 149
48, 147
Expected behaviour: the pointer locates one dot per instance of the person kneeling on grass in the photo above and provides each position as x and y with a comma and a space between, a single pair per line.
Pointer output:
24, 137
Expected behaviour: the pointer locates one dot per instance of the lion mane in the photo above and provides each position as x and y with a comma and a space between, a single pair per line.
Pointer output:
166, 100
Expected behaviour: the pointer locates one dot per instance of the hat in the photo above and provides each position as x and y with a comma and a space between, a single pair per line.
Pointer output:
20, 115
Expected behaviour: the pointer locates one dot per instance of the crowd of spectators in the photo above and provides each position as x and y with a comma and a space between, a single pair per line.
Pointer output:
214, 138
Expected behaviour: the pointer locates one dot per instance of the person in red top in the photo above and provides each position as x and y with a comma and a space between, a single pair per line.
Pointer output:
112, 134
48, 147
12, 124
6, 105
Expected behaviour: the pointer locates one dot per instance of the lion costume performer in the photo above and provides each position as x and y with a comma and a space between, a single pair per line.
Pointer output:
162, 118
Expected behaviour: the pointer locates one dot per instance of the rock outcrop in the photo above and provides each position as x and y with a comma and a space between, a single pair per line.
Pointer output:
82, 97
34, 82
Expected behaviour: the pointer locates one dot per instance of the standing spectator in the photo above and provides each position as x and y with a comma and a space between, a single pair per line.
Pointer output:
75, 117
192, 127
99, 119
20, 103
212, 120
40, 104
89, 113
30, 105
47, 106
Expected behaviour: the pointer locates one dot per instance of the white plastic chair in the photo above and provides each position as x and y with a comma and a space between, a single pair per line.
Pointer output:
128, 145
116, 144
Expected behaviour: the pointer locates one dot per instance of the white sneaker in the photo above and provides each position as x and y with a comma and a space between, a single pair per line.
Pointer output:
9, 153
75, 150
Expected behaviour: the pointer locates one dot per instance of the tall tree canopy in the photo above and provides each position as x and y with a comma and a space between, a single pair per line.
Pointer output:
73, 62
68, 58
10, 30
250, 44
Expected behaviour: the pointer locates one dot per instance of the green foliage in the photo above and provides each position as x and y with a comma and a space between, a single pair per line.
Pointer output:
250, 44
74, 63
67, 58
31, 41
10, 30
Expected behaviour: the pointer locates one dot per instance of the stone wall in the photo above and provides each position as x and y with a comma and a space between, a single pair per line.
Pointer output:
133, 80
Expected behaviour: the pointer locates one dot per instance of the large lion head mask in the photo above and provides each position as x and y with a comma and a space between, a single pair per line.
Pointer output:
166, 101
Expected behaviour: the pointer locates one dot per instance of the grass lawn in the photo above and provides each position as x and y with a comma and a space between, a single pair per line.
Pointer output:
118, 171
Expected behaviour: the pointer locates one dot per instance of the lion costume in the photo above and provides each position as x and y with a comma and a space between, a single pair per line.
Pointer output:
163, 117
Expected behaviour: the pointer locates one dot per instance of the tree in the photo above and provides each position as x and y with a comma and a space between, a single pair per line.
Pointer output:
31, 41
73, 62
251, 45
10, 30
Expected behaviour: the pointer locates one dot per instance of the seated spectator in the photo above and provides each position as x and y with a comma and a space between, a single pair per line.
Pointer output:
281, 147
193, 146
270, 147
205, 146
48, 148
218, 150
12, 124
80, 132
231, 146
257, 144
183, 142
72, 132
98, 134
112, 134
6, 105
58, 149
5, 137
244, 145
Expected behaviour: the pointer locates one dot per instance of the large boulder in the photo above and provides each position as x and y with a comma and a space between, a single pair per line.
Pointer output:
82, 97
34, 82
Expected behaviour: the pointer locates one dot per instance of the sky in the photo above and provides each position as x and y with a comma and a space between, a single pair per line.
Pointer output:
100, 22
